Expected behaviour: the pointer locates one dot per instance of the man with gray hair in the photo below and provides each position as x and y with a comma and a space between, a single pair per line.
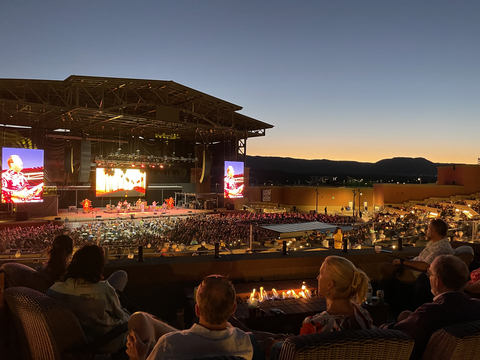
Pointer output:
212, 336
450, 305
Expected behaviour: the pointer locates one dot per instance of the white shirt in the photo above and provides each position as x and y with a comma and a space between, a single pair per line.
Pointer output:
434, 249
199, 341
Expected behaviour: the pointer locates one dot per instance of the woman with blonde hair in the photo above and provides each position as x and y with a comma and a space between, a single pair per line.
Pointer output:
344, 286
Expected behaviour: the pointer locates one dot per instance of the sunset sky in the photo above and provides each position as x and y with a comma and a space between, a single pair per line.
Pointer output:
343, 80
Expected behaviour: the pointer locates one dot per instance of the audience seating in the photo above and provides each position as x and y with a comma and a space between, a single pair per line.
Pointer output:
374, 344
47, 330
455, 342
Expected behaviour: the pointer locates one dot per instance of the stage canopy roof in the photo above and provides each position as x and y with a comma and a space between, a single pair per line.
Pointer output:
115, 109
292, 230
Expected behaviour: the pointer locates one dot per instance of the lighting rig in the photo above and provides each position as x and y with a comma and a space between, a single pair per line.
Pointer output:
140, 161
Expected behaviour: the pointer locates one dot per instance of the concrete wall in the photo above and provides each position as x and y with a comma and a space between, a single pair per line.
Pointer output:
466, 175
399, 193
305, 197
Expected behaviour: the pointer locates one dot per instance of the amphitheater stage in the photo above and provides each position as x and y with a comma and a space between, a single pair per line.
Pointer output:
98, 214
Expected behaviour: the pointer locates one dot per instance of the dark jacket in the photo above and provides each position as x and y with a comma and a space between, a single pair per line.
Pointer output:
447, 309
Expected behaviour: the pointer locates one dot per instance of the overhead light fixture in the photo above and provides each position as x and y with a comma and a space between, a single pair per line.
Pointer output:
16, 126
62, 130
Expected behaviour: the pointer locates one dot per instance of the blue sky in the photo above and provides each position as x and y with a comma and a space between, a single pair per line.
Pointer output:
344, 80
30, 158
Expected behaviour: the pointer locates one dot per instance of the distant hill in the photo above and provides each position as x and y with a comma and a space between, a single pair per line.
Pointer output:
278, 169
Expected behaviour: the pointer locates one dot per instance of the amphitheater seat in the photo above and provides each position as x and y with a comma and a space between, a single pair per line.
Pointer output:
454, 342
374, 344
16, 274
465, 253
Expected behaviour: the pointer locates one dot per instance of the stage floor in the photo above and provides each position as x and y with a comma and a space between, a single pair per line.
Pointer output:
99, 214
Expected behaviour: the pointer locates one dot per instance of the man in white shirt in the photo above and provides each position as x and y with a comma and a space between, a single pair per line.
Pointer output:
438, 245
212, 336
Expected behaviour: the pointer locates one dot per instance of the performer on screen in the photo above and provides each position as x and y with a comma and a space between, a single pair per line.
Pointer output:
15, 186
230, 187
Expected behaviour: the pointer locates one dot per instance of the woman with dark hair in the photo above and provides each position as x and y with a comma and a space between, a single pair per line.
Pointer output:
58, 256
93, 300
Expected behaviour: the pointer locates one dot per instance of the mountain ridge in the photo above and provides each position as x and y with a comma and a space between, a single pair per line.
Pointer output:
400, 168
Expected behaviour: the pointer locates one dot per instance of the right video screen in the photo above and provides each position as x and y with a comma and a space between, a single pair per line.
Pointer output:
233, 179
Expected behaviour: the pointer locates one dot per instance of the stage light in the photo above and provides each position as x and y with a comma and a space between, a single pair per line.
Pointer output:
133, 165
143, 166
161, 166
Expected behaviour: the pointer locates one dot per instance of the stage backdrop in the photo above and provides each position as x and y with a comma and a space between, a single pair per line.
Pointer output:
49, 207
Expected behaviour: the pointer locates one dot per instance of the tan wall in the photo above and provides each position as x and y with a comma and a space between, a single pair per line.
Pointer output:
304, 197
397, 194
378, 195
255, 194
466, 175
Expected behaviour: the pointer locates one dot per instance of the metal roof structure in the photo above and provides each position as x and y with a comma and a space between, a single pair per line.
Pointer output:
114, 109
292, 230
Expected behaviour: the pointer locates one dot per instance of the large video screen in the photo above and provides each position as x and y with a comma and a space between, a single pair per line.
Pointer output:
22, 175
233, 180
113, 182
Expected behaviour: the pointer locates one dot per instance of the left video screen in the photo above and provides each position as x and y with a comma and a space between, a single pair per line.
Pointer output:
22, 175
115, 182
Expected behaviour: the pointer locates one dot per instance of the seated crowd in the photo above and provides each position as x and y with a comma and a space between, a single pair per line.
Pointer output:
436, 277
98, 305
176, 233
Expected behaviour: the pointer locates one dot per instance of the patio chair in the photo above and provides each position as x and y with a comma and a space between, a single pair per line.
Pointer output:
374, 344
465, 253
17, 274
454, 342
49, 331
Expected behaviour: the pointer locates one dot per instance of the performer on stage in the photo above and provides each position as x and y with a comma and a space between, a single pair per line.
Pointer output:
87, 205
230, 185
15, 186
